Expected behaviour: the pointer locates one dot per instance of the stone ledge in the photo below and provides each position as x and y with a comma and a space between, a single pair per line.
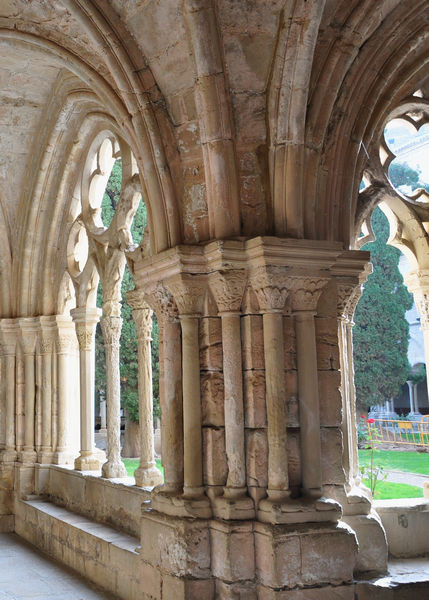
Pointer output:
100, 553
406, 522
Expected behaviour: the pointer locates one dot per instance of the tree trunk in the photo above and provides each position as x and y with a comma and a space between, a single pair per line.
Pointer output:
131, 447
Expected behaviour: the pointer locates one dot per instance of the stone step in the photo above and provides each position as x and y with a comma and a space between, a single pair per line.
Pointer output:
103, 555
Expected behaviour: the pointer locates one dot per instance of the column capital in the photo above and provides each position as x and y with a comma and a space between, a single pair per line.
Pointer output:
29, 329
348, 295
111, 328
271, 286
417, 283
188, 292
9, 330
305, 291
85, 320
161, 301
228, 288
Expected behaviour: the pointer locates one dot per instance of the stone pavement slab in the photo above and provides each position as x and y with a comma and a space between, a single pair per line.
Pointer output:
27, 574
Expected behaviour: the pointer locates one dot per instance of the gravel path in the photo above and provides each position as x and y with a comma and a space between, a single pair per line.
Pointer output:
408, 478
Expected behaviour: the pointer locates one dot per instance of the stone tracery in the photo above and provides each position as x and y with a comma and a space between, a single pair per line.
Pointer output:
232, 136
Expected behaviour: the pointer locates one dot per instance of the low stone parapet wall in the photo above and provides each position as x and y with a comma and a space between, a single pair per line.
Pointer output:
114, 502
406, 522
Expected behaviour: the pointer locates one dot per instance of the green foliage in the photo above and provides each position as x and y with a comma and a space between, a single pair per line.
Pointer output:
381, 333
128, 341
418, 373
393, 460
402, 174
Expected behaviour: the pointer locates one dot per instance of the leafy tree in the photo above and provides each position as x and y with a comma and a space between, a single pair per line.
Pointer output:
128, 341
381, 333
401, 174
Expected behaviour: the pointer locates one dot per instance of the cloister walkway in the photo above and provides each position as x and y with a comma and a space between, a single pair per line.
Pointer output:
26, 574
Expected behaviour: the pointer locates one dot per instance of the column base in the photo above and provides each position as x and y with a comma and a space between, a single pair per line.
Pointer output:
88, 461
27, 457
301, 510
114, 470
8, 456
372, 543
62, 457
45, 457
178, 505
233, 508
148, 476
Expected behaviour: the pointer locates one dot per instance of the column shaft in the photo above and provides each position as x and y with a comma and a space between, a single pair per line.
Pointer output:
171, 406
29, 404
111, 327
10, 403
193, 466
278, 479
147, 475
308, 403
234, 413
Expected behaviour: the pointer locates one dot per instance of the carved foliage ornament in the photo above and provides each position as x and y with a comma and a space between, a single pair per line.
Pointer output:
271, 285
189, 292
305, 291
228, 289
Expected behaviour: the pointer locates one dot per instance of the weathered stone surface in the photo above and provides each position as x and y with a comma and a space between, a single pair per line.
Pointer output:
212, 399
253, 342
256, 457
211, 344
215, 468
232, 550
255, 414
332, 467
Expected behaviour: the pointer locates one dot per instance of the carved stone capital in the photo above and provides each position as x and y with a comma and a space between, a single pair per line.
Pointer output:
86, 320
417, 283
188, 292
161, 301
305, 292
8, 336
228, 289
29, 329
46, 340
111, 328
348, 295
271, 286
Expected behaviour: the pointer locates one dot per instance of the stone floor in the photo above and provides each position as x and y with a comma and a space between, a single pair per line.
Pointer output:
26, 574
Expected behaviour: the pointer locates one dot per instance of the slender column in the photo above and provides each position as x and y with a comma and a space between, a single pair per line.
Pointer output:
170, 388
111, 327
85, 320
65, 340
103, 418
188, 291
304, 295
228, 289
9, 335
271, 288
29, 330
147, 475
46, 347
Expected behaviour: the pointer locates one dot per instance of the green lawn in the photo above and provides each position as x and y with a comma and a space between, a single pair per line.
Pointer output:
392, 460
131, 465
386, 490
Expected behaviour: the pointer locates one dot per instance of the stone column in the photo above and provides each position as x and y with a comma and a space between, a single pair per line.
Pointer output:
111, 327
305, 294
228, 289
85, 320
103, 418
29, 330
9, 335
64, 343
46, 348
147, 475
189, 292
271, 288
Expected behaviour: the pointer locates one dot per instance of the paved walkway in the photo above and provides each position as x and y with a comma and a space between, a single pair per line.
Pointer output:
408, 478
27, 574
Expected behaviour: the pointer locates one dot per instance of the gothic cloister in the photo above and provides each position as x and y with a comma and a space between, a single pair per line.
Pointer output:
246, 126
